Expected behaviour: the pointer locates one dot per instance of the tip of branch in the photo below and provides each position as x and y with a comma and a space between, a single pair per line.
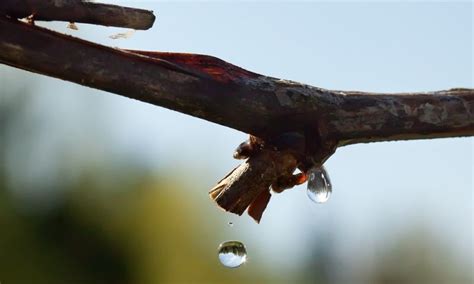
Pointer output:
79, 11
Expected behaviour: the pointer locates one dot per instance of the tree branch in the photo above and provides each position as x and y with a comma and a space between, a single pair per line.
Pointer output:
209, 88
368, 117
212, 89
79, 11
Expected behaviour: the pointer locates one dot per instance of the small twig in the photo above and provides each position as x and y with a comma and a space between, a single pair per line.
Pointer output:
79, 11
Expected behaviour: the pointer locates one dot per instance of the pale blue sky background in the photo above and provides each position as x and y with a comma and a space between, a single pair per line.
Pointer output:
379, 189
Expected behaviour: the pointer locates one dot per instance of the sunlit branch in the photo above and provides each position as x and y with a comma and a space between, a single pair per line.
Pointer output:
79, 11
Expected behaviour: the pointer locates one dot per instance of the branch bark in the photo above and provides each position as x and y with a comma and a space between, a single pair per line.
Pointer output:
212, 89
368, 117
79, 11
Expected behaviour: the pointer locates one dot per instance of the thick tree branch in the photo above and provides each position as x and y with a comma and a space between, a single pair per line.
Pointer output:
79, 11
318, 120
368, 117
209, 88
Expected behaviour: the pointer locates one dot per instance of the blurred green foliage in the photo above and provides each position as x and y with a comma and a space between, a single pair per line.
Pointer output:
115, 221
111, 224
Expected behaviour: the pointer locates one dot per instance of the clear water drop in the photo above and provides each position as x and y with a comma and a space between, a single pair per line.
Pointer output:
232, 254
319, 185
230, 224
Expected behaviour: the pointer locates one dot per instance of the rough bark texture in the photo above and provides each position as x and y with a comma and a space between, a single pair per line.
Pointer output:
367, 117
212, 89
79, 11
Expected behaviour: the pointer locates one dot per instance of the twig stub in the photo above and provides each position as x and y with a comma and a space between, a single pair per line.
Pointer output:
270, 165
243, 185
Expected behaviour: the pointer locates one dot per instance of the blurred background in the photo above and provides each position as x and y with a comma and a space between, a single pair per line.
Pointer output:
98, 188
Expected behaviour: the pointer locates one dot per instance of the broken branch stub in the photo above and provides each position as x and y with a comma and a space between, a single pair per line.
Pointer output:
270, 165
243, 185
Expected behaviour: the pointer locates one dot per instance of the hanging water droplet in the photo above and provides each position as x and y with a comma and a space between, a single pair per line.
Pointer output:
319, 185
232, 254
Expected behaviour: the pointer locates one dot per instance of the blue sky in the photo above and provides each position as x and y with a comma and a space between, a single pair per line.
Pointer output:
379, 188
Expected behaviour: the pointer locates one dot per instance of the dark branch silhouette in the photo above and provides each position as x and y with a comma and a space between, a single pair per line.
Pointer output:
79, 11
319, 120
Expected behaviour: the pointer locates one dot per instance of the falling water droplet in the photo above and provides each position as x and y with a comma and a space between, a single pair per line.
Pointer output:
232, 253
230, 224
319, 185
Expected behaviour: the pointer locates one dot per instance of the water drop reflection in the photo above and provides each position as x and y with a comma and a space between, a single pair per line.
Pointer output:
319, 185
232, 254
